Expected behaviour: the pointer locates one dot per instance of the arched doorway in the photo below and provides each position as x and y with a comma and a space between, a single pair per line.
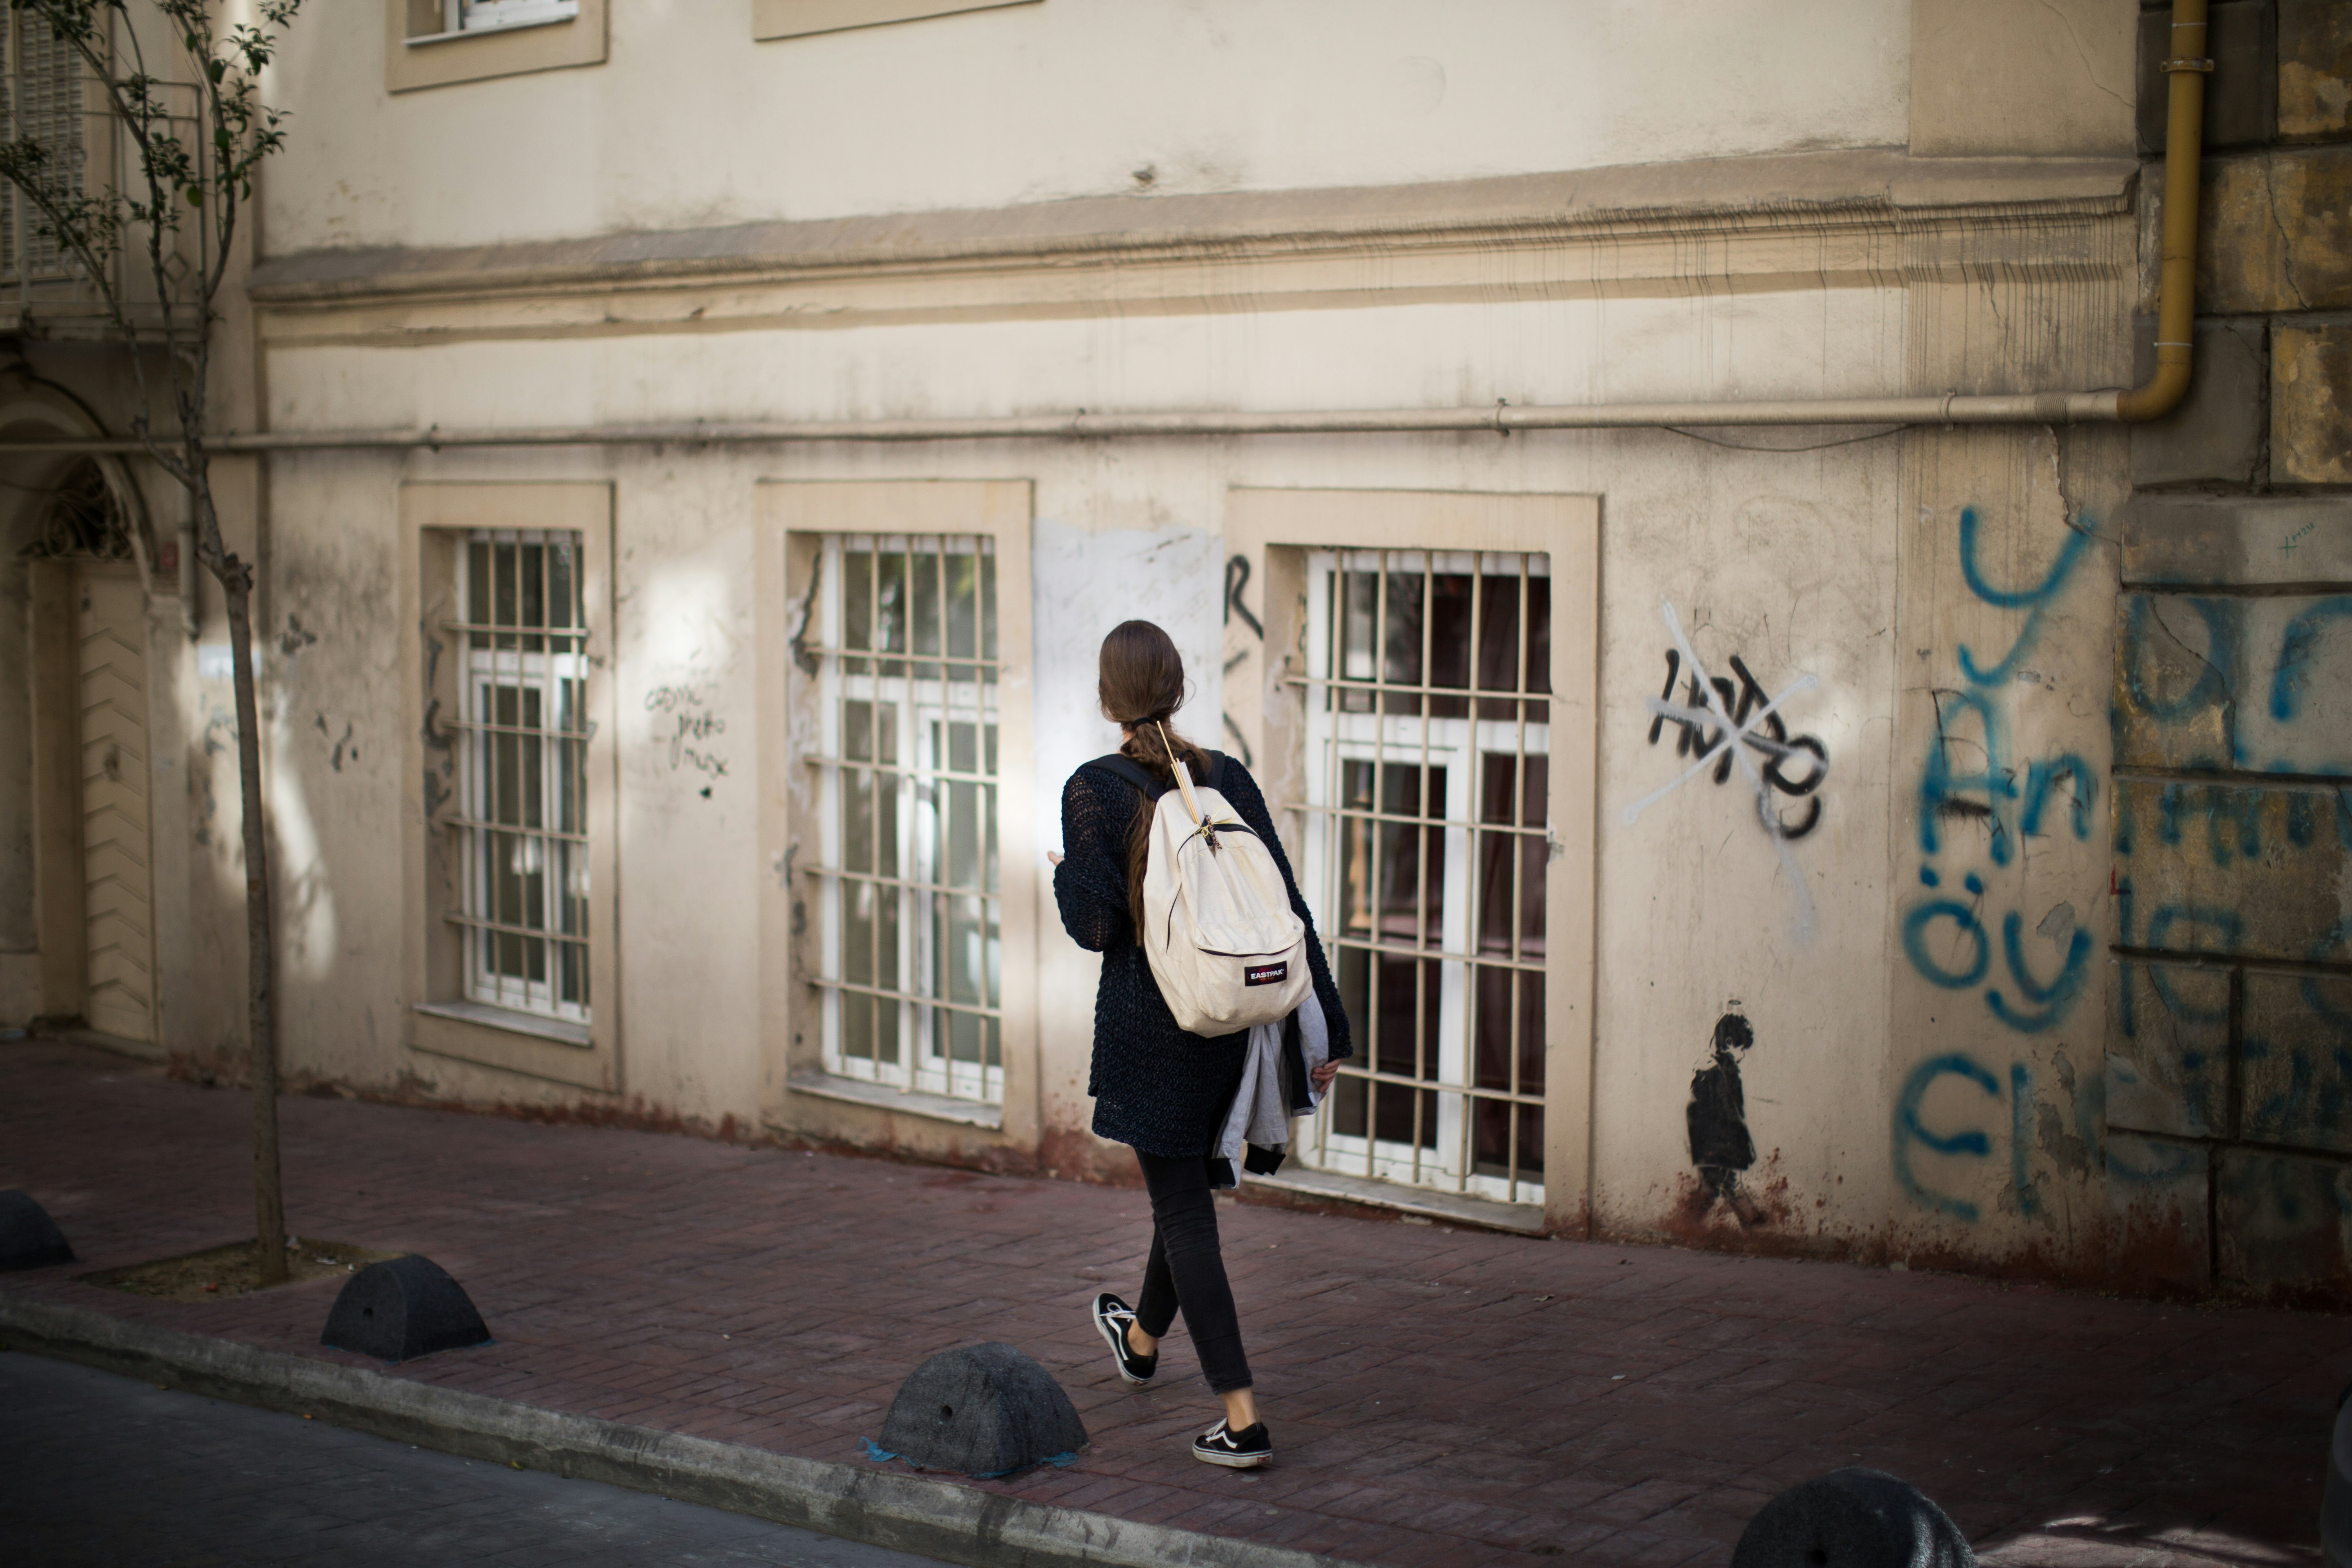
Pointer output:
90, 761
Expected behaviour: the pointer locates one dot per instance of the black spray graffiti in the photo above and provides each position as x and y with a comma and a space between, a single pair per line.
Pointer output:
1237, 576
1708, 726
345, 747
1699, 729
1720, 1146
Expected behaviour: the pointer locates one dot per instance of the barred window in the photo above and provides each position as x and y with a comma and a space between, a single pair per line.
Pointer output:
41, 95
1427, 782
911, 911
523, 801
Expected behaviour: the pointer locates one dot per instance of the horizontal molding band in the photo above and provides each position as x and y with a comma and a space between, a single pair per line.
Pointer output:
1867, 187
1869, 219
1504, 419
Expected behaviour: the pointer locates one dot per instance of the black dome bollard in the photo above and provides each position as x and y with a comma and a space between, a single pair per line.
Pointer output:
1852, 1518
402, 1307
29, 1239
982, 1410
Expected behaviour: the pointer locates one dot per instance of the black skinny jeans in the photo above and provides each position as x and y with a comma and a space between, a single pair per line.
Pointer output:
1188, 1271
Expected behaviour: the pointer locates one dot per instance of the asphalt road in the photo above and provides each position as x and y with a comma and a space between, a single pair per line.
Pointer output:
100, 1471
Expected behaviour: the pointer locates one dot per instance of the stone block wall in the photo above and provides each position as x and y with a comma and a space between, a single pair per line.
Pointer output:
2229, 1068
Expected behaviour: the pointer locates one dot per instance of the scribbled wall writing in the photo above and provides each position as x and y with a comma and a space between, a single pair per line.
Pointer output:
1975, 805
1723, 723
1696, 730
687, 728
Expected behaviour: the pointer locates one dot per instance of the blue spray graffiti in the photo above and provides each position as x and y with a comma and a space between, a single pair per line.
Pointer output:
1909, 1129
2297, 651
2034, 601
2054, 998
1913, 1133
1969, 775
2021, 1106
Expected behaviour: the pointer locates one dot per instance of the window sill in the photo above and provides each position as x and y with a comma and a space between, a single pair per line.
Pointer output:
1450, 1208
513, 1022
420, 39
911, 1102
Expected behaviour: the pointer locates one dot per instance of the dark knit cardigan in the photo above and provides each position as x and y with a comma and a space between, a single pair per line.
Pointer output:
1156, 1088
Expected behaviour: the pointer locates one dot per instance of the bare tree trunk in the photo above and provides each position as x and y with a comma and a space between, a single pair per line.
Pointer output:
268, 1198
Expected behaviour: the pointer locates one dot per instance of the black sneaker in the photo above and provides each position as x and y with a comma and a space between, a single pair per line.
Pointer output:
1111, 1319
1243, 1450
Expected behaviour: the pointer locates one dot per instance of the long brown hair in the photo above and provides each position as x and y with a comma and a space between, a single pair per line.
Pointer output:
1140, 685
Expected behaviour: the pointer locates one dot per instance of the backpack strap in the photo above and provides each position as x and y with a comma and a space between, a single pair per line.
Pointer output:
1141, 777
1134, 772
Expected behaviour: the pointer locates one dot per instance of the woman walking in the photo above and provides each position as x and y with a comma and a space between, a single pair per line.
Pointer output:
1157, 1090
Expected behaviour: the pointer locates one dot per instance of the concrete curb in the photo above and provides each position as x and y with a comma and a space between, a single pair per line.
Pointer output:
911, 1513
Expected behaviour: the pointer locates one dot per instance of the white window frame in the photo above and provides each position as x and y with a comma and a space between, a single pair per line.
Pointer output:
1462, 747
556, 845
917, 780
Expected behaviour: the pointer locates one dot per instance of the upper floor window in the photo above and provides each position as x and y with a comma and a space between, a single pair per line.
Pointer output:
41, 94
438, 43
482, 16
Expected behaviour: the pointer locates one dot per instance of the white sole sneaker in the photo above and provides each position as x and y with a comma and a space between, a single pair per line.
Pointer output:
1112, 1317
1245, 1450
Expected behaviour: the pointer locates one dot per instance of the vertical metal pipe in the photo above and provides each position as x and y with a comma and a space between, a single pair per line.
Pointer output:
2185, 66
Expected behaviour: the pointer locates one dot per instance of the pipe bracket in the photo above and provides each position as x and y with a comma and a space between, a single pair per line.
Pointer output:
2184, 63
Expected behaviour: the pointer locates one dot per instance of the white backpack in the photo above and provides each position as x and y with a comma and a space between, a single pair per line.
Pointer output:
1228, 951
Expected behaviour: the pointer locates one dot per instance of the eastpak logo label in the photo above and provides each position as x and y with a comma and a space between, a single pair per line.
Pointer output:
1267, 973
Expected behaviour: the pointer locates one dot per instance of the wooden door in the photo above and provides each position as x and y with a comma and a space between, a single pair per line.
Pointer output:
117, 896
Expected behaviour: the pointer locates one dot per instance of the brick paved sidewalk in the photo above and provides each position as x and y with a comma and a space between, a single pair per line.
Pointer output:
1439, 1396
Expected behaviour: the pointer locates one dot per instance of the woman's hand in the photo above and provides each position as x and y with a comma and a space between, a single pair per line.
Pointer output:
1323, 1075
1053, 857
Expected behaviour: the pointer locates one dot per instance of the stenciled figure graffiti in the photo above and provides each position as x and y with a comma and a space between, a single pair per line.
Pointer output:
1719, 1144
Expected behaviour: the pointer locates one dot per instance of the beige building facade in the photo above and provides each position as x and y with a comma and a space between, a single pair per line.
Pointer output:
1838, 839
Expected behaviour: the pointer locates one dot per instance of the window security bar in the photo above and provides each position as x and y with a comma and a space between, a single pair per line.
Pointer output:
484, 727
475, 822
479, 922
1398, 688
909, 883
508, 629
1396, 950
1354, 814
945, 775
955, 661
922, 1003
1403, 1080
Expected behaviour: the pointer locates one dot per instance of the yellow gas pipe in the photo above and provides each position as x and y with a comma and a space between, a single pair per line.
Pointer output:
2185, 67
